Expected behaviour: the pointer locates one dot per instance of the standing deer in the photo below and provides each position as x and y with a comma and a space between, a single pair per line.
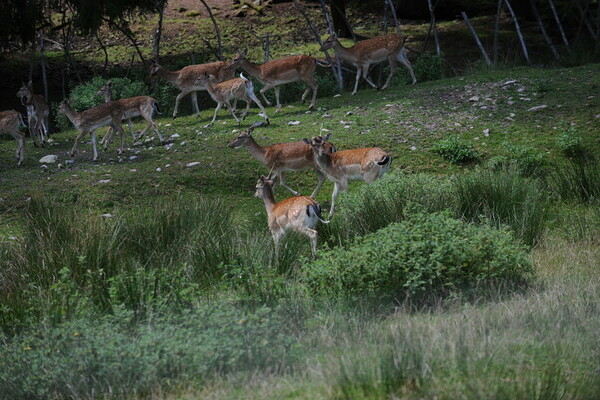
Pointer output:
185, 79
139, 106
282, 157
278, 72
10, 121
372, 51
38, 112
340, 167
88, 121
233, 89
298, 213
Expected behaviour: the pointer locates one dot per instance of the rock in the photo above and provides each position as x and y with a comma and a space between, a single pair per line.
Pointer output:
326, 115
347, 127
349, 113
337, 95
133, 170
324, 130
69, 161
597, 116
510, 82
133, 157
183, 143
308, 112
191, 164
158, 169
486, 132
175, 135
167, 166
521, 89
104, 181
44, 166
234, 131
510, 102
59, 165
537, 108
168, 146
474, 98
413, 148
106, 215
389, 105
346, 122
49, 159
294, 123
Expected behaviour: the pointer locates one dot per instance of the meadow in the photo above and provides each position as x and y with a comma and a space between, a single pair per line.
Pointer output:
468, 271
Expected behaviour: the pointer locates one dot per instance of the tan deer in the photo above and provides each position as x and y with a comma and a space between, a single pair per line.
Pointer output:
185, 79
340, 167
38, 113
139, 106
10, 121
282, 157
298, 213
88, 121
279, 72
372, 51
224, 92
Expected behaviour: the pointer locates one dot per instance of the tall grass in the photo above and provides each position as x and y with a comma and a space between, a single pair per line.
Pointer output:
577, 179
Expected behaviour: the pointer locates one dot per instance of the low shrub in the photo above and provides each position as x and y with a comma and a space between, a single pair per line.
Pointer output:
577, 179
430, 67
456, 150
425, 251
570, 143
525, 159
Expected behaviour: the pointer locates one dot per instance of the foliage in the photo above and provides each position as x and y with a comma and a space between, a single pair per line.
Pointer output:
425, 251
526, 159
570, 143
503, 197
430, 67
456, 150
578, 179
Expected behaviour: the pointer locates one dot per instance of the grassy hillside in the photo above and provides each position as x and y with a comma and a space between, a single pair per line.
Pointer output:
176, 294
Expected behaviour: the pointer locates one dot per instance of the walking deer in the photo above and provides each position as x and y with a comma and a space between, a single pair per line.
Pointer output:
185, 79
298, 213
38, 113
88, 121
282, 157
234, 89
139, 106
10, 121
340, 167
278, 72
372, 51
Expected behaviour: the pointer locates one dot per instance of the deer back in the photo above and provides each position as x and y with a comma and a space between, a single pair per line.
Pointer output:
189, 74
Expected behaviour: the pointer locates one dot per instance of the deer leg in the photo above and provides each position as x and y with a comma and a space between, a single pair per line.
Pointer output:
276, 239
93, 136
337, 187
117, 127
393, 68
312, 234
219, 105
77, 140
313, 85
107, 138
20, 153
276, 88
262, 93
321, 179
365, 75
255, 99
194, 96
177, 99
243, 117
282, 183
403, 59
228, 106
358, 73
130, 125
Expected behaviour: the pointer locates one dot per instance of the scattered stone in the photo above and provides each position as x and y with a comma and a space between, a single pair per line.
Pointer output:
168, 146
44, 166
486, 132
158, 169
326, 115
183, 143
525, 99
413, 148
308, 112
49, 159
147, 140
476, 138
69, 161
324, 130
346, 122
133, 170
474, 98
337, 95
235, 131
510, 102
106, 215
191, 164
294, 123
389, 105
175, 135
167, 166
347, 127
59, 166
597, 116
521, 89
349, 113
537, 108
104, 181
509, 82
168, 124
133, 157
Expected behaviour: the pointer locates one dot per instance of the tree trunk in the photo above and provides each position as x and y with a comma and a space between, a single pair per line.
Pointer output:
338, 16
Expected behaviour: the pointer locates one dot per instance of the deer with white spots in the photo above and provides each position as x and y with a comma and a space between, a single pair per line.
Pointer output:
10, 121
38, 113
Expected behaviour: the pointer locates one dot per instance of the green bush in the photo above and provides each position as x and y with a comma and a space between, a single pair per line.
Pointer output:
456, 150
570, 143
84, 96
429, 67
526, 159
425, 251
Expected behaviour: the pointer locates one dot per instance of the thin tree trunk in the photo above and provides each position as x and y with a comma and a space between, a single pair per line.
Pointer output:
481, 48
338, 65
218, 32
497, 32
104, 50
543, 29
434, 28
338, 17
129, 36
43, 65
518, 28
560, 27
158, 32
266, 41
393, 10
583, 12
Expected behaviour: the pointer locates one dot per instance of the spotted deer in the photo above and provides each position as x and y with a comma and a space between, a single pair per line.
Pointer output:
298, 213
372, 51
10, 121
185, 79
88, 121
282, 157
38, 113
278, 72
234, 89
139, 106
340, 167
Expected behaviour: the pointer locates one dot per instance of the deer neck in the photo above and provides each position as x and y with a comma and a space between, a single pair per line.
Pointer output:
108, 96
343, 52
323, 161
256, 150
167, 75
268, 198
251, 68
71, 114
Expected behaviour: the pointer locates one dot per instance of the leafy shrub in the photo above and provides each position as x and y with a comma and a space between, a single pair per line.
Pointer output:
525, 159
570, 143
429, 67
503, 198
456, 150
424, 251
84, 96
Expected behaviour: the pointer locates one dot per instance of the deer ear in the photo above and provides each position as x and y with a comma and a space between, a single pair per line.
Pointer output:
326, 137
109, 83
307, 141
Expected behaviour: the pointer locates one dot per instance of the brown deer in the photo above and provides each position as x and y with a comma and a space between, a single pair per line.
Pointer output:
298, 213
139, 106
185, 79
38, 113
340, 167
279, 72
234, 89
88, 121
10, 121
372, 51
282, 157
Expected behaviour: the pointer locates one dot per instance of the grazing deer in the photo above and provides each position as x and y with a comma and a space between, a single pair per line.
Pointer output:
278, 72
233, 89
38, 112
372, 51
10, 121
298, 213
139, 106
185, 79
282, 157
340, 167
88, 121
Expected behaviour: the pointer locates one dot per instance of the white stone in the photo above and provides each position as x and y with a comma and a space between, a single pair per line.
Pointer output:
49, 159
191, 164
294, 123
474, 98
326, 115
537, 108
104, 181
337, 95
106, 215
510, 102
486, 132
133, 157
175, 135
413, 148
158, 169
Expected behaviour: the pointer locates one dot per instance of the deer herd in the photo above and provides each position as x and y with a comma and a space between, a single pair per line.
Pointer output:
298, 213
